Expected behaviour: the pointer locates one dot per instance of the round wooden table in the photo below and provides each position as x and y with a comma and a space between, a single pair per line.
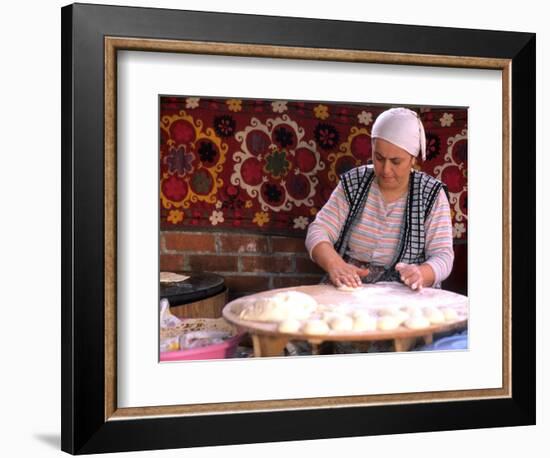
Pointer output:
268, 341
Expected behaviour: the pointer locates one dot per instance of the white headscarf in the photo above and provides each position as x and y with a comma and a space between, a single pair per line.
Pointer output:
403, 128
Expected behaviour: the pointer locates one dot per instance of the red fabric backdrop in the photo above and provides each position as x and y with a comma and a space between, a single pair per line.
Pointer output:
271, 165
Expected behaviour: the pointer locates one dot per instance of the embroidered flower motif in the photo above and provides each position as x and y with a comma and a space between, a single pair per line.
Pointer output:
279, 106
207, 152
276, 167
174, 188
321, 112
261, 218
219, 204
313, 211
192, 102
201, 182
364, 118
179, 160
277, 164
301, 222
248, 204
216, 217
234, 105
175, 216
224, 125
273, 193
283, 137
458, 230
326, 135
446, 120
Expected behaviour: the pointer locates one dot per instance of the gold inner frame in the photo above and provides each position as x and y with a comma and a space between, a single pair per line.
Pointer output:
114, 44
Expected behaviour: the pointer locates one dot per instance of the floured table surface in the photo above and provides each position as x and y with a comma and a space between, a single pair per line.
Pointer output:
376, 299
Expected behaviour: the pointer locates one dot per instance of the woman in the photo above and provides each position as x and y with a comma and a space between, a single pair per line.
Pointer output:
388, 222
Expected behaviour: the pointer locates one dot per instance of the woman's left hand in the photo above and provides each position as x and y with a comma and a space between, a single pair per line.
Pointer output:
411, 275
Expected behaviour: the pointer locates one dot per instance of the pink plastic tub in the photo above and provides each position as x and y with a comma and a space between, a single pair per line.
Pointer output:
222, 350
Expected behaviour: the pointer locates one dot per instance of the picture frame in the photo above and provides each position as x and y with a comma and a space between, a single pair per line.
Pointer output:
91, 37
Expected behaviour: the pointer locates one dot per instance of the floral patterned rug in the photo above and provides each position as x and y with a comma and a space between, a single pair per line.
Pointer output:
270, 165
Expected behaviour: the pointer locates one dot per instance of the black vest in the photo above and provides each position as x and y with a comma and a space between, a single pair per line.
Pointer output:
423, 192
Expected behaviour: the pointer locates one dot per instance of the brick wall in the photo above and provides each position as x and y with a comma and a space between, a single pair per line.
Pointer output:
248, 262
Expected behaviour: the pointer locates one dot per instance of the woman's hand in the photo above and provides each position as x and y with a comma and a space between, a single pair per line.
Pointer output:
415, 276
340, 272
346, 274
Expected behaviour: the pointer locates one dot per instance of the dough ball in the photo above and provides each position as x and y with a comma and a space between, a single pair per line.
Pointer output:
417, 322
434, 315
387, 323
402, 316
450, 314
290, 326
316, 327
388, 310
395, 312
364, 321
341, 323
413, 311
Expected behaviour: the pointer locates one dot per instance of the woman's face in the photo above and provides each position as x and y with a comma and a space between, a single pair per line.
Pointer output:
392, 165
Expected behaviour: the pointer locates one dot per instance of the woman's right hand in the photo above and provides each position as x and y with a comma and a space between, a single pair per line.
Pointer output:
339, 271
346, 274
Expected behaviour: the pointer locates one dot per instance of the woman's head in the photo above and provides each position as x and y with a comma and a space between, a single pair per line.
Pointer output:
398, 138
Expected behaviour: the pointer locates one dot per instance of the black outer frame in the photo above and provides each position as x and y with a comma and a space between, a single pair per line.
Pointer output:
83, 426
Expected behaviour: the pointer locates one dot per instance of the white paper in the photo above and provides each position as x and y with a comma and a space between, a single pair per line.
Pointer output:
142, 381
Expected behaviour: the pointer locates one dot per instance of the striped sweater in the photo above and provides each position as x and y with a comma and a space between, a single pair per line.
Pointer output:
375, 238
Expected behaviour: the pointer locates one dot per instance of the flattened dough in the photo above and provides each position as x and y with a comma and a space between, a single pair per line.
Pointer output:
348, 289
172, 277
